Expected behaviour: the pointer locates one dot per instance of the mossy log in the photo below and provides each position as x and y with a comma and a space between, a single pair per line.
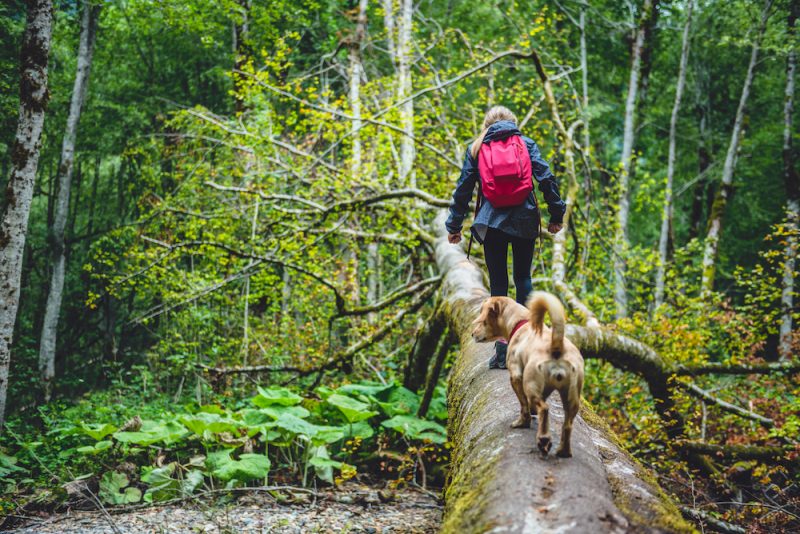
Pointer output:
497, 482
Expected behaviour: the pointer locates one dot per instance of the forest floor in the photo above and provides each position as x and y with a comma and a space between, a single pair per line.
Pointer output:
351, 508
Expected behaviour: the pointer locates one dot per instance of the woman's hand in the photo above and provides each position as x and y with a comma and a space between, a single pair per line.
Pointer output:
554, 228
454, 238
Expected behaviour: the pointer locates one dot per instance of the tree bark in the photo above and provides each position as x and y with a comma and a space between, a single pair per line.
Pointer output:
626, 161
388, 23
666, 216
792, 181
701, 188
424, 349
242, 52
494, 481
584, 82
432, 379
47, 345
356, 73
33, 96
726, 182
404, 88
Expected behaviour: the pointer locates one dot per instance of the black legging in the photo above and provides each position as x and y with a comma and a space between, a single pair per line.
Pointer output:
495, 249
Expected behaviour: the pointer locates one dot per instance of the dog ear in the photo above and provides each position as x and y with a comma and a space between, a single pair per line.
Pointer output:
494, 309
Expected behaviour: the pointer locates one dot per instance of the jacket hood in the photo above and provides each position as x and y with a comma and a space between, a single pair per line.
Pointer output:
501, 130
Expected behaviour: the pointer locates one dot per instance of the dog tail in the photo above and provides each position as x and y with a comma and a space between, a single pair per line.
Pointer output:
541, 302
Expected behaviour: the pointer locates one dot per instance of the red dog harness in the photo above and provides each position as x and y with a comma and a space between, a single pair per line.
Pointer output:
516, 327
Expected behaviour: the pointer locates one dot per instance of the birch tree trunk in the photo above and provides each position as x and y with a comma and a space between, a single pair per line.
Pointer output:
726, 183
404, 26
792, 181
356, 73
33, 97
666, 216
388, 23
47, 345
626, 161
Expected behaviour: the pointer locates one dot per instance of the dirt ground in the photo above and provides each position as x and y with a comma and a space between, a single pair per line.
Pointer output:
354, 508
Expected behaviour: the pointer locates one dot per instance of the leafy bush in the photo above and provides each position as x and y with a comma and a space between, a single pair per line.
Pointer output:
275, 434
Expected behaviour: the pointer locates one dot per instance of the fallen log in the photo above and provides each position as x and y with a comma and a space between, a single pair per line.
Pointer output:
496, 480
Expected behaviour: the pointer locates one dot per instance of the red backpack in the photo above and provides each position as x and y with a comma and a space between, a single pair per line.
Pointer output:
505, 169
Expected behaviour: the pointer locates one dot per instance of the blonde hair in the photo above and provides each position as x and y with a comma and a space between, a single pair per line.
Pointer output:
495, 114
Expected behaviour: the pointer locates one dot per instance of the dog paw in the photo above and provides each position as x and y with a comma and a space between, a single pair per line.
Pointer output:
563, 453
545, 444
521, 423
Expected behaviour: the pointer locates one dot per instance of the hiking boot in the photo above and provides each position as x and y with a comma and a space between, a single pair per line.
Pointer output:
498, 360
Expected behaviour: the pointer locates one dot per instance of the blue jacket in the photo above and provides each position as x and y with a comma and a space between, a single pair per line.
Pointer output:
519, 221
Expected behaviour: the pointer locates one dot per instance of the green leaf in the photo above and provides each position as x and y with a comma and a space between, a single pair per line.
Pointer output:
8, 465
401, 401
329, 434
264, 416
212, 422
416, 428
111, 486
212, 408
352, 409
97, 431
371, 389
271, 396
151, 432
96, 448
295, 425
362, 430
247, 467
322, 463
191, 481
162, 486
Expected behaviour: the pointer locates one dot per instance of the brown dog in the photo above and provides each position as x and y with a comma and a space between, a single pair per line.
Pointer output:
540, 360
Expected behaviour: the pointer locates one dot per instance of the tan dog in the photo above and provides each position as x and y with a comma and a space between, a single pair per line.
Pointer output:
540, 360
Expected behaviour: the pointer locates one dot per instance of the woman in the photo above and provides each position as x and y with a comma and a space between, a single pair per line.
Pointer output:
496, 228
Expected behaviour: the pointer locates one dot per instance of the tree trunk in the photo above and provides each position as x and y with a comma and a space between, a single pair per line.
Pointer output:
626, 161
715, 218
33, 97
666, 216
404, 27
93, 195
703, 163
47, 346
584, 82
242, 52
356, 73
792, 181
494, 481
424, 349
388, 23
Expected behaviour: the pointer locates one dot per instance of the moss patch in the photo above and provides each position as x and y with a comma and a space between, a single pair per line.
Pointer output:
660, 512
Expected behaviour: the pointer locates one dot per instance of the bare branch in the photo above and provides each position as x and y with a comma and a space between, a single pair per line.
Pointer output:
342, 205
392, 297
739, 452
722, 526
700, 393
337, 359
739, 369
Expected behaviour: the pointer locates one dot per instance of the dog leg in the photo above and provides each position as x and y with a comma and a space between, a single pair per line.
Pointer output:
571, 407
543, 440
524, 419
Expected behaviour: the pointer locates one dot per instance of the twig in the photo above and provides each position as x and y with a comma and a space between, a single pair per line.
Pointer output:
700, 393
718, 524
